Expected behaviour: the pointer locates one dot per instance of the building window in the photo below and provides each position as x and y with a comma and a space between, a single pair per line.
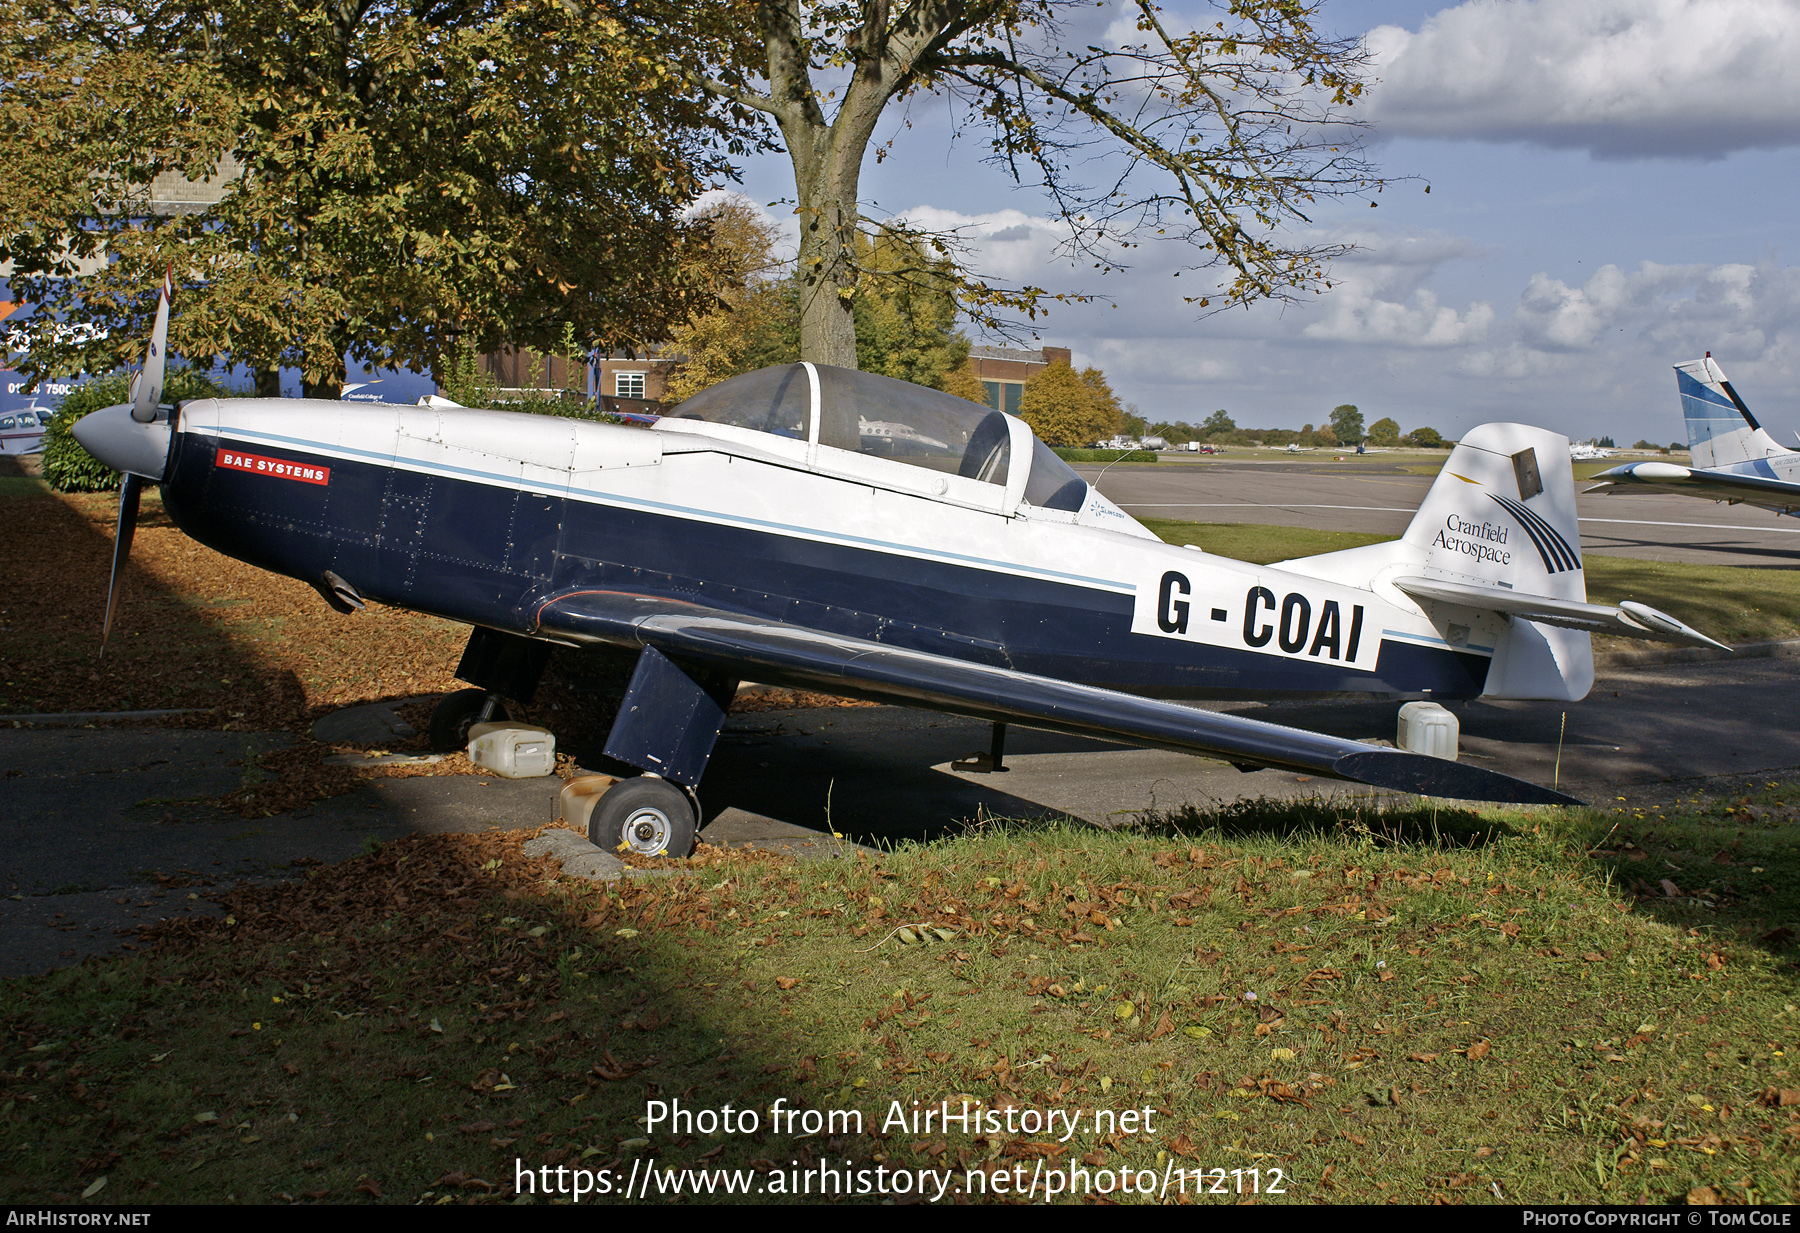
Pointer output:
1005, 395
629, 384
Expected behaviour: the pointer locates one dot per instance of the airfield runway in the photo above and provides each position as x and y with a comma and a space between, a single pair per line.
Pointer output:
1374, 495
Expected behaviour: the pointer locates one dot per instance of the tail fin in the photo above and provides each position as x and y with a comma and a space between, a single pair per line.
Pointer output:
1721, 429
1501, 517
1502, 513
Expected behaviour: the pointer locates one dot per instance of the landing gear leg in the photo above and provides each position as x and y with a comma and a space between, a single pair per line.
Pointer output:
667, 726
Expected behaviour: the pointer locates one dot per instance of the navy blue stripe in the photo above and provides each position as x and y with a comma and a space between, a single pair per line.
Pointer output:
1559, 546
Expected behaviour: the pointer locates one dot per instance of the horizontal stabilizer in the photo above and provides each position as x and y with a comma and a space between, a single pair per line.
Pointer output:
1627, 619
787, 655
1768, 491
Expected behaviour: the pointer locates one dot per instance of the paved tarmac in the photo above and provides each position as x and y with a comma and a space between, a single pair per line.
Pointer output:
102, 830
1380, 497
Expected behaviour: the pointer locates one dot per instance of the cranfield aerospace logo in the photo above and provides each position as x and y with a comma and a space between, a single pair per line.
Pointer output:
1482, 540
1486, 542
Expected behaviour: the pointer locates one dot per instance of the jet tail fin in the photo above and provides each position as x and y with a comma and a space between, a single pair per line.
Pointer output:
1721, 430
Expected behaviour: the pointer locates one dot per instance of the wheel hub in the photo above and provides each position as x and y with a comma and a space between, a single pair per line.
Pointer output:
648, 831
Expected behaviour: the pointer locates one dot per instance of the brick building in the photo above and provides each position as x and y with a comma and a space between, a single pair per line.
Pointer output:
1005, 370
626, 384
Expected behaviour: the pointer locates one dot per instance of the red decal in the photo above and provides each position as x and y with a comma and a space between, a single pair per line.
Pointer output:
257, 464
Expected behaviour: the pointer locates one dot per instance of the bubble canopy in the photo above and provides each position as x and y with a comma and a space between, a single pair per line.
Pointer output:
884, 418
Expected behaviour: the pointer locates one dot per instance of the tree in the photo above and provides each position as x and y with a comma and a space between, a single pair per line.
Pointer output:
1384, 431
1218, 424
1425, 438
401, 181
1218, 135
1346, 423
755, 322
906, 317
1060, 408
963, 382
1108, 414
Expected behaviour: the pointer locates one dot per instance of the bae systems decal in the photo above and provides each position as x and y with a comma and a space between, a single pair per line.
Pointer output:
1325, 626
257, 464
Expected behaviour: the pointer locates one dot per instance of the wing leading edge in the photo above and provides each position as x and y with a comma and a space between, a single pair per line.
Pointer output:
781, 654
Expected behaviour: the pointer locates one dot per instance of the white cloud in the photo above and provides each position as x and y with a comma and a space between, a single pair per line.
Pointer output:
1376, 296
1582, 355
1619, 78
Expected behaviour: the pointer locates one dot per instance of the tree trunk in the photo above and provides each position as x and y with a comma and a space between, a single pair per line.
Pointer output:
330, 367
330, 384
827, 157
827, 244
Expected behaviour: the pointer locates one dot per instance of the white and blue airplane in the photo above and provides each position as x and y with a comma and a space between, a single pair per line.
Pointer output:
22, 431
826, 529
1734, 457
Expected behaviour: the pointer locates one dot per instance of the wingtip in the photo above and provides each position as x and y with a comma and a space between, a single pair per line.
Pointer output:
1428, 776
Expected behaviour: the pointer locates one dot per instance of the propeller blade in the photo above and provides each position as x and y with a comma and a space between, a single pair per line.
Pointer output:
147, 390
129, 494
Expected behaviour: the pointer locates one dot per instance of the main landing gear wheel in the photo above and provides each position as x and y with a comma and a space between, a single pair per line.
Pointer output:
452, 718
646, 816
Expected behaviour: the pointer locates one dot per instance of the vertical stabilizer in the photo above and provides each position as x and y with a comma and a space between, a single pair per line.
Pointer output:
1721, 430
1502, 515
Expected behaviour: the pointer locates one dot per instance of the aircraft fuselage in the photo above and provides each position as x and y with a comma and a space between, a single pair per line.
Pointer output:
481, 517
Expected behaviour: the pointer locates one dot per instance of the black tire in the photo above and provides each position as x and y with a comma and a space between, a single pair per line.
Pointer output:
452, 718
647, 816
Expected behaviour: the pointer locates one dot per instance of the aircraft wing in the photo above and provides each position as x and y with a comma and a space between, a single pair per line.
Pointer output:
778, 653
1780, 495
1628, 619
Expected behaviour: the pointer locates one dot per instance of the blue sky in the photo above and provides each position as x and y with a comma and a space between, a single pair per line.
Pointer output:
1612, 193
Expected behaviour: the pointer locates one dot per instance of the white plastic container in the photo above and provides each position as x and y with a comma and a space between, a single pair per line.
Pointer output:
1427, 728
513, 751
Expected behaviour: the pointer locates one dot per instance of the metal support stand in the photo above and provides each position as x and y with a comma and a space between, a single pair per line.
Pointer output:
489, 705
990, 762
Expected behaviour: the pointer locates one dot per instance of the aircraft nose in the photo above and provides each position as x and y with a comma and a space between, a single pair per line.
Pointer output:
122, 443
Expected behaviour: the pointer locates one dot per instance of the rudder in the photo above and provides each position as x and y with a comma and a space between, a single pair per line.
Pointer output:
1721, 430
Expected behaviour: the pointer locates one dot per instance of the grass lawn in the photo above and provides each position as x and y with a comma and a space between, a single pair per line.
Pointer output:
1315, 1003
